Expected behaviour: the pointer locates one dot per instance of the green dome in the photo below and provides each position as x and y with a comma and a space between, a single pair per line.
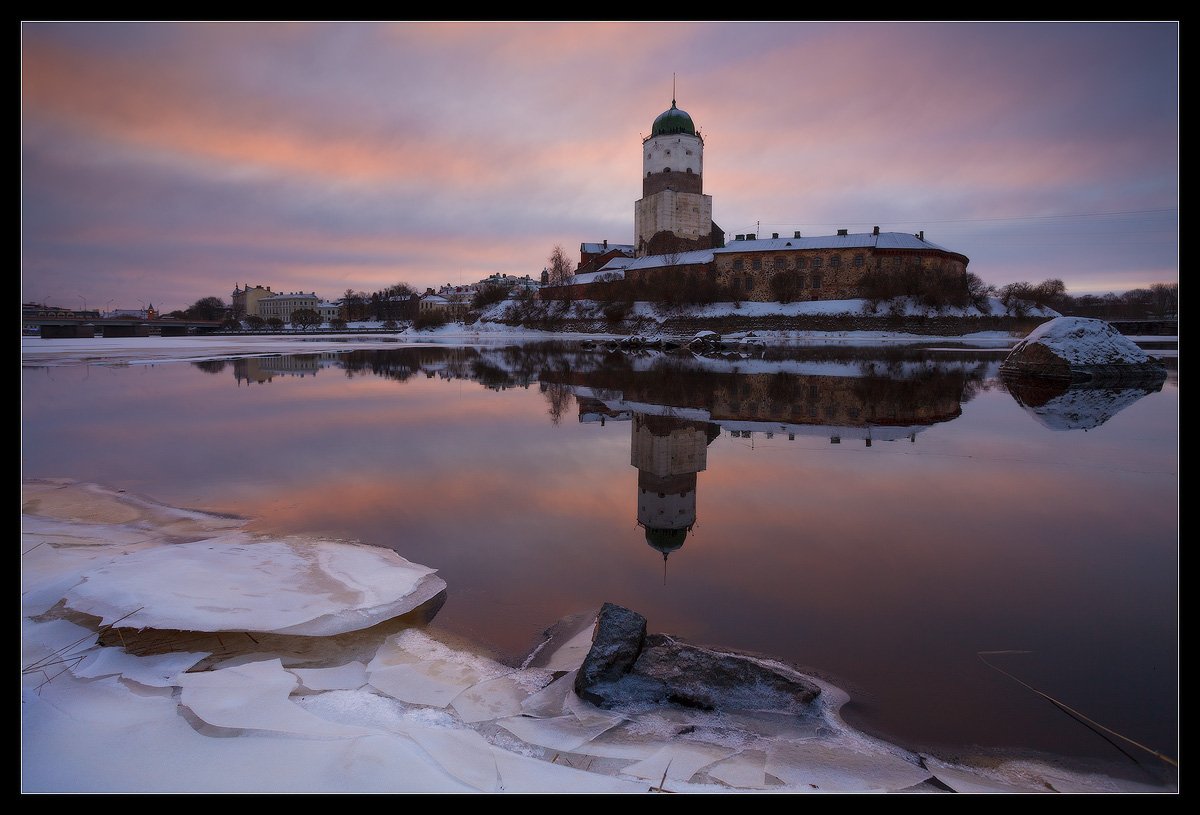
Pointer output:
673, 121
665, 540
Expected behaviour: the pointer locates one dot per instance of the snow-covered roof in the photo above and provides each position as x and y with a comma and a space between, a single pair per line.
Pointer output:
433, 298
858, 240
677, 259
286, 295
616, 264
590, 277
600, 248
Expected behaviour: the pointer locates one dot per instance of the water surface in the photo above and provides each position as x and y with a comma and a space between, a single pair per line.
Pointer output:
877, 516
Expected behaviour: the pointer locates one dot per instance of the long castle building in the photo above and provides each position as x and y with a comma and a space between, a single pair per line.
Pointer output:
676, 242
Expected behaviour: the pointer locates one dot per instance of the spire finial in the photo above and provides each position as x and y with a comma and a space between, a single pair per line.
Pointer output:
672, 89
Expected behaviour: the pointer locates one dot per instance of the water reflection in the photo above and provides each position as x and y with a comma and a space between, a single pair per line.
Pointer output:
259, 370
962, 526
1062, 406
668, 453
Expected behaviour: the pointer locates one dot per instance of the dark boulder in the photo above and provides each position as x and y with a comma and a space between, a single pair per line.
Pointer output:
719, 680
616, 644
628, 669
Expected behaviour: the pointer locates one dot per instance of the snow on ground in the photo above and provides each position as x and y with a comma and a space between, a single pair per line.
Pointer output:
134, 350
138, 350
390, 708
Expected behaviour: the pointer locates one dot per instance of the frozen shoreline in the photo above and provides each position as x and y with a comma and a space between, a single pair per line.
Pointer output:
135, 350
389, 707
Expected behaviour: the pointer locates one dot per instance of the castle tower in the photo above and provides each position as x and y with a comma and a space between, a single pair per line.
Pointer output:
673, 214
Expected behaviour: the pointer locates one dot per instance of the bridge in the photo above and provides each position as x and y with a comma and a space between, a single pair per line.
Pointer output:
83, 327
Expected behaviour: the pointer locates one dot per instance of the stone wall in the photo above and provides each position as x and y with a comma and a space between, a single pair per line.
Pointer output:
820, 274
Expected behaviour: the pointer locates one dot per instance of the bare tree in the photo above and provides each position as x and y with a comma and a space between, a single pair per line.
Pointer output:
560, 268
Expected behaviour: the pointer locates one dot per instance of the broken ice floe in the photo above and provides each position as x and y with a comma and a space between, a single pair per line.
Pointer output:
238, 583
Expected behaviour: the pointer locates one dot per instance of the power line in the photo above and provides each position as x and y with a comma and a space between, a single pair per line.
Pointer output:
982, 220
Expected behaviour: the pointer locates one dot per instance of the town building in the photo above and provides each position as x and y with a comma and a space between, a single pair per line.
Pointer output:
594, 256
329, 310
436, 306
284, 304
245, 300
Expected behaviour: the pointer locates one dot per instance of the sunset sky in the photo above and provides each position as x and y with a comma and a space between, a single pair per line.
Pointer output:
165, 162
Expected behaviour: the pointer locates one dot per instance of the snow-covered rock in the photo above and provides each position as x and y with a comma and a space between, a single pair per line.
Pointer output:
1080, 349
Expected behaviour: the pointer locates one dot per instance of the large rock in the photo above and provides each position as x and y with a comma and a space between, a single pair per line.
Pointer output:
665, 670
616, 644
1079, 349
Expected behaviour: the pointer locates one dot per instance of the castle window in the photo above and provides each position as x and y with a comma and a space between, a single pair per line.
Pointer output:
689, 169
778, 262
816, 263
749, 282
737, 264
799, 263
816, 281
756, 264
858, 260
666, 169
835, 261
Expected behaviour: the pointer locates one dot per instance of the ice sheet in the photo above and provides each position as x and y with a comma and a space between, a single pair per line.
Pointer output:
237, 583
255, 696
